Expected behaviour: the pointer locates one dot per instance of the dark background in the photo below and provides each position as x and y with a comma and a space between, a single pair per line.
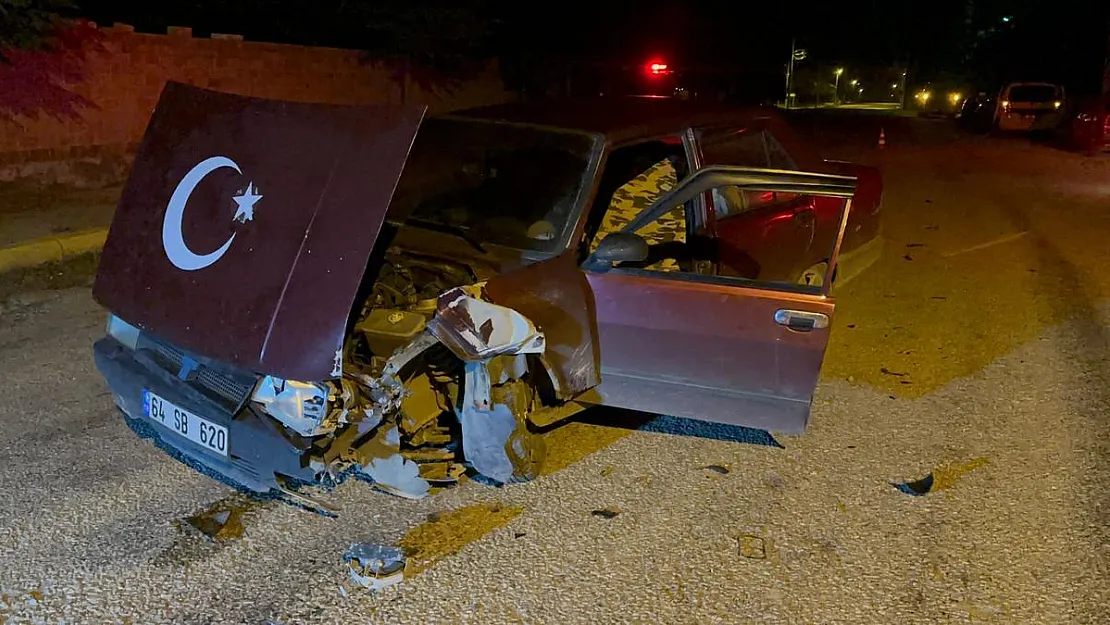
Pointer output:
584, 45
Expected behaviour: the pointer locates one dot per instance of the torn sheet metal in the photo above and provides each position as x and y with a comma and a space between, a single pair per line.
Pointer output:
398, 476
486, 428
300, 406
375, 566
475, 329
496, 440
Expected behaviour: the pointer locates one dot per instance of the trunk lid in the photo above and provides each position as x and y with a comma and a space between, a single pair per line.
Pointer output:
246, 225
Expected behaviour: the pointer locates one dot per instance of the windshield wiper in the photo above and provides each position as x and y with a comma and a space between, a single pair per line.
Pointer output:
447, 229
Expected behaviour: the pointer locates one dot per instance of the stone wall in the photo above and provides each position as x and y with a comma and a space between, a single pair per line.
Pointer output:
112, 86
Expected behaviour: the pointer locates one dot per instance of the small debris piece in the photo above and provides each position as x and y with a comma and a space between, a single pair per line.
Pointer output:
375, 566
851, 325
222, 520
607, 470
927, 201
942, 478
718, 468
886, 371
607, 512
915, 245
907, 257
932, 227
752, 547
938, 297
397, 476
916, 487
519, 534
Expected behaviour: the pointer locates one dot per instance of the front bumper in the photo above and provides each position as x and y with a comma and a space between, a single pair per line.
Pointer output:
257, 447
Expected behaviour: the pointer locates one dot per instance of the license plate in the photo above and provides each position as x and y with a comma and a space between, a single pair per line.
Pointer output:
203, 432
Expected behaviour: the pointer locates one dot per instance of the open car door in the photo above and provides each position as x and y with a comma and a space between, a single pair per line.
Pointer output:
745, 350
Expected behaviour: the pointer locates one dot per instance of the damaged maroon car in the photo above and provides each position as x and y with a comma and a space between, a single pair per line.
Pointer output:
302, 291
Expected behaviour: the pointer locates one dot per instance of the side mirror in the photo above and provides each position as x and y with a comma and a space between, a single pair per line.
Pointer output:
621, 247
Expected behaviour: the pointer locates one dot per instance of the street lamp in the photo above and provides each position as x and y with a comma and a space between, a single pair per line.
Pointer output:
836, 85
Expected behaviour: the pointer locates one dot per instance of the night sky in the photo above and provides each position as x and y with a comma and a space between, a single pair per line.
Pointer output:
1062, 40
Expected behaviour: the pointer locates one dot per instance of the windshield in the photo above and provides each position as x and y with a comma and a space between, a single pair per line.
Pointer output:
494, 183
1032, 93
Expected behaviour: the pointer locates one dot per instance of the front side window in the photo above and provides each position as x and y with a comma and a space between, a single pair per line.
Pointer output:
641, 174
506, 185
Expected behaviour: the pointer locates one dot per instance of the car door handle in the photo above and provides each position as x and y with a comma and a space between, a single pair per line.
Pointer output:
801, 320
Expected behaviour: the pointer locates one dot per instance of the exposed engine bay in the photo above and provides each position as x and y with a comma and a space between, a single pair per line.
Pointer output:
433, 381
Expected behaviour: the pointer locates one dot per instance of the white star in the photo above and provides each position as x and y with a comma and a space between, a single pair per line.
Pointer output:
246, 204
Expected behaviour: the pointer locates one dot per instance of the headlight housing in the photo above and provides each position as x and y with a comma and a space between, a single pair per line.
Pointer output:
301, 406
125, 333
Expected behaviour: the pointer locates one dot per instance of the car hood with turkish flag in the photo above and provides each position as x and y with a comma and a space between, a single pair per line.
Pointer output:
246, 225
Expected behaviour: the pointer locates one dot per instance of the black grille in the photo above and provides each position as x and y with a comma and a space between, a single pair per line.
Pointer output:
215, 380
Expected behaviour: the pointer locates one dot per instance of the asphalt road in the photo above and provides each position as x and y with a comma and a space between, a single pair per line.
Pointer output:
976, 350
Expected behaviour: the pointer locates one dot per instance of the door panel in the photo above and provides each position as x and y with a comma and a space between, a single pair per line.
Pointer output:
707, 351
716, 348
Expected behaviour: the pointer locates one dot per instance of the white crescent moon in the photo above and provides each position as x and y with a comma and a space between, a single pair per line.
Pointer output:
172, 240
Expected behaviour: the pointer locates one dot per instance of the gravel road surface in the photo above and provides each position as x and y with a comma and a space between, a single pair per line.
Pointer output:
976, 351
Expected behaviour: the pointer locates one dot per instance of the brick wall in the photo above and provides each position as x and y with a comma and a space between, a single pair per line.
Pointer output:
121, 75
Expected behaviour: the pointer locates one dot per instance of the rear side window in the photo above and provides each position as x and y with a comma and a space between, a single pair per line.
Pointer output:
1032, 93
745, 148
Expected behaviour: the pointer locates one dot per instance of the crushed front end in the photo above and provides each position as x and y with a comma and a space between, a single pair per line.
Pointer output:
264, 330
429, 389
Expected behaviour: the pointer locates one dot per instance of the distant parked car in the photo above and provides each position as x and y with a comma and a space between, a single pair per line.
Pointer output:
940, 99
1029, 106
976, 113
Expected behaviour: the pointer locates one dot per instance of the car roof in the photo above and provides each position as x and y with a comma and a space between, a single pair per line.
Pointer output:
619, 119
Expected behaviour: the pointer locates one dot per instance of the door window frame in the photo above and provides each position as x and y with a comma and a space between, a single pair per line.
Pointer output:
804, 183
689, 148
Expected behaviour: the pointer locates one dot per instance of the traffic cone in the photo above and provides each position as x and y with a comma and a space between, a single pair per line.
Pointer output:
882, 138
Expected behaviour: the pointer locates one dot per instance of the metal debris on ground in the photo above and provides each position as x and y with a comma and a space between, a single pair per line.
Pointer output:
718, 468
375, 566
896, 374
942, 478
607, 512
752, 547
222, 520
